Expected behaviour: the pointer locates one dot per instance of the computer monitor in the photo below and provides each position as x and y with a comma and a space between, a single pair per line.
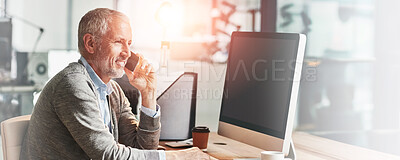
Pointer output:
178, 103
261, 86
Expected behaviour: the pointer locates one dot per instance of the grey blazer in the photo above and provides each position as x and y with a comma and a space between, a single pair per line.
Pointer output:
66, 123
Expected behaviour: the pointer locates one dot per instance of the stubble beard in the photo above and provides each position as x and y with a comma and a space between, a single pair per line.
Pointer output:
106, 68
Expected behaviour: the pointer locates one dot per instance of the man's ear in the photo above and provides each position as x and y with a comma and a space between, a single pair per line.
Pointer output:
89, 43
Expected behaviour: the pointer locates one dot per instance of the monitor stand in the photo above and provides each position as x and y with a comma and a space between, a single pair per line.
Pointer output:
292, 153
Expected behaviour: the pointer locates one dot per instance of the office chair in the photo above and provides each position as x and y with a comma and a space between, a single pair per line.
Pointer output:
12, 135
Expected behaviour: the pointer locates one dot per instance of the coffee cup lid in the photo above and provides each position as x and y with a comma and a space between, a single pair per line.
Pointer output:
201, 129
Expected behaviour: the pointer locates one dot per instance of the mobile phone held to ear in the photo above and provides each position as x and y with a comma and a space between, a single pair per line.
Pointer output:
132, 62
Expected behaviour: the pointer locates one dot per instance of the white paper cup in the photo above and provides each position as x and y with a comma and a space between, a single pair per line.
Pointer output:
272, 155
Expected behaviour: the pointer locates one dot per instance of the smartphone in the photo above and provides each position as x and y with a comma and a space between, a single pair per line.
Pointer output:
132, 62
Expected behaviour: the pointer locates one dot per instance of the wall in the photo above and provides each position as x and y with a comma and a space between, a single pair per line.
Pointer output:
55, 26
37, 12
79, 8
387, 76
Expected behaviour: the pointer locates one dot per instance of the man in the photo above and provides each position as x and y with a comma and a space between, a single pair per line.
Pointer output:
83, 114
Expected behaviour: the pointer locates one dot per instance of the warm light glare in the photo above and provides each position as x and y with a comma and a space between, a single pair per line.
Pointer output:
169, 16
165, 14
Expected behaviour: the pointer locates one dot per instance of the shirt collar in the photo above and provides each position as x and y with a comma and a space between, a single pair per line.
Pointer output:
98, 83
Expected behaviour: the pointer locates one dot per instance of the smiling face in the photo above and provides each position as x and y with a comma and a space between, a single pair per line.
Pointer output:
112, 52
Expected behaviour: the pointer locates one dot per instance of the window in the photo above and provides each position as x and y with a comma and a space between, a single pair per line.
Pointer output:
341, 93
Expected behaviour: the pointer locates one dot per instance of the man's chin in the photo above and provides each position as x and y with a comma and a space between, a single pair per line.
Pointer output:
118, 73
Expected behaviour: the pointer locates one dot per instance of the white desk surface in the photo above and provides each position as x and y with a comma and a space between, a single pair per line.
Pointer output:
308, 147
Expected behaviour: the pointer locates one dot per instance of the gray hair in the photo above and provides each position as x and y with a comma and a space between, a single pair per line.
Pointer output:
95, 22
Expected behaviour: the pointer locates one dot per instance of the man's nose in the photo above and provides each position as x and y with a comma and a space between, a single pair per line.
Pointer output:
126, 50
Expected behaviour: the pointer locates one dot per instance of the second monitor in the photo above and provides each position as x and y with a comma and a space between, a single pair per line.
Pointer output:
178, 104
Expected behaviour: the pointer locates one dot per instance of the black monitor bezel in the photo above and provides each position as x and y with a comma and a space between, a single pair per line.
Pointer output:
268, 131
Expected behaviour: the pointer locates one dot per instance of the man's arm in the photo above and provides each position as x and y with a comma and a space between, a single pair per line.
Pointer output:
143, 135
143, 78
148, 138
77, 108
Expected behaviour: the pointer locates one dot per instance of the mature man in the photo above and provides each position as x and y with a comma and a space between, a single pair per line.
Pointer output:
83, 114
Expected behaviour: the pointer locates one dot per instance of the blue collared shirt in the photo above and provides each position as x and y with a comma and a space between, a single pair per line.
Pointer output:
103, 90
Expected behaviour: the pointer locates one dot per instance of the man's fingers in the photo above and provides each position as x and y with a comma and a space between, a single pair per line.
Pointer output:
148, 69
145, 68
141, 68
144, 64
128, 73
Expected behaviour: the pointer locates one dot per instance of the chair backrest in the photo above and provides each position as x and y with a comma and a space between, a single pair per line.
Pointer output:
12, 135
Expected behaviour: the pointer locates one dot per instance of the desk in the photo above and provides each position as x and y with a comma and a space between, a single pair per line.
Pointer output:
308, 147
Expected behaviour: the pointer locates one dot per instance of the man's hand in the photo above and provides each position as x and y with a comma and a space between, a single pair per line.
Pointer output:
191, 153
143, 78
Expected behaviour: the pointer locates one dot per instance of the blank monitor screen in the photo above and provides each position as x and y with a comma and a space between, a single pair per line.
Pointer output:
259, 82
178, 103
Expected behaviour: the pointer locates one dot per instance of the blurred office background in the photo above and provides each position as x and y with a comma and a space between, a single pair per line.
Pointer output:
351, 76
